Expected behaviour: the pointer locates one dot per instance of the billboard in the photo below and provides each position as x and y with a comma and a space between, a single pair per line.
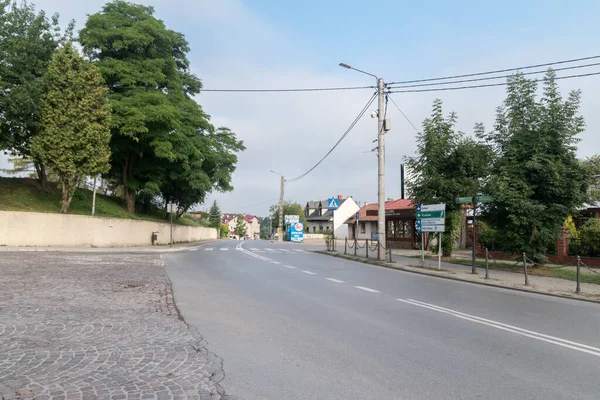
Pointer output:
296, 232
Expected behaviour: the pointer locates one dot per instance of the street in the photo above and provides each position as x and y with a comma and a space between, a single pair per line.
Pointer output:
290, 324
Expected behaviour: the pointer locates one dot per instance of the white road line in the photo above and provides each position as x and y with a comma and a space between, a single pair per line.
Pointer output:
193, 249
309, 272
271, 250
299, 251
335, 280
275, 262
289, 266
284, 250
366, 289
254, 249
208, 249
224, 249
508, 328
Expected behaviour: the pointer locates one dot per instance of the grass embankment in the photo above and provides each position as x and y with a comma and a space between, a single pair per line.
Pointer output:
567, 272
22, 194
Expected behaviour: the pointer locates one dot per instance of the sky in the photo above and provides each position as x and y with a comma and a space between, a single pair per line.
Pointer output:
276, 44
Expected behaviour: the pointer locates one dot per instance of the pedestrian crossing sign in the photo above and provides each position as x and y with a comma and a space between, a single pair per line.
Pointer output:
333, 203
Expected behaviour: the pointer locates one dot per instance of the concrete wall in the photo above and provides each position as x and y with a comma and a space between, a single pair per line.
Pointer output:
41, 229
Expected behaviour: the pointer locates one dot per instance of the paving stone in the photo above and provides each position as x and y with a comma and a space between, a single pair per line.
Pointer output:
96, 326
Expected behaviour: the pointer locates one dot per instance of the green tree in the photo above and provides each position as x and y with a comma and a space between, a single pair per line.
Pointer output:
224, 230
447, 165
289, 208
27, 41
215, 214
589, 234
593, 165
74, 130
240, 226
537, 180
265, 228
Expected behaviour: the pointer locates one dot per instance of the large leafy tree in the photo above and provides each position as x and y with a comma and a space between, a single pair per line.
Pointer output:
289, 208
447, 165
27, 41
537, 180
241, 229
74, 132
146, 69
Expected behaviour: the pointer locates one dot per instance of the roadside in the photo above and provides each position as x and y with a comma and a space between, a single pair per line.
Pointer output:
131, 249
86, 326
408, 260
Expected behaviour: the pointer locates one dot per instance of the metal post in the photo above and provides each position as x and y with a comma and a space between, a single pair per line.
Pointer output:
346, 246
525, 269
355, 246
381, 227
474, 237
280, 226
440, 251
367, 247
171, 216
578, 288
487, 255
402, 181
422, 248
94, 199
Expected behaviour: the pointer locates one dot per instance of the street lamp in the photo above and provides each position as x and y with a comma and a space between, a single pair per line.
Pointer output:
381, 160
279, 229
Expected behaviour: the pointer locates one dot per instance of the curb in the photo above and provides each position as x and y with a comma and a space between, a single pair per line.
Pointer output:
130, 249
453, 278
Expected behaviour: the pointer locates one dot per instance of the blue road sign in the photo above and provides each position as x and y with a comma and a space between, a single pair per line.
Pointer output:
333, 203
296, 232
357, 216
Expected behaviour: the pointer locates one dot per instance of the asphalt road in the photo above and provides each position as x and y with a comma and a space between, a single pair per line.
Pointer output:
291, 325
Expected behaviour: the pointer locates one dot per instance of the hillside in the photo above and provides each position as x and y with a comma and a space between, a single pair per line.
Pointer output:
23, 194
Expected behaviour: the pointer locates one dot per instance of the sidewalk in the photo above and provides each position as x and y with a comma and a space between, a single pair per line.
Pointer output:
131, 249
540, 284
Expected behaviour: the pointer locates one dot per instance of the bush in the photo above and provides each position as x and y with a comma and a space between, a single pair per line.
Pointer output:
329, 241
224, 230
488, 237
589, 236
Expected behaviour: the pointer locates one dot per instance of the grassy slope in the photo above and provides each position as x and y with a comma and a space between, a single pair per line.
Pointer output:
20, 194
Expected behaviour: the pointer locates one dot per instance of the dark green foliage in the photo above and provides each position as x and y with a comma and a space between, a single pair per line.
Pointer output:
589, 242
289, 208
240, 226
214, 215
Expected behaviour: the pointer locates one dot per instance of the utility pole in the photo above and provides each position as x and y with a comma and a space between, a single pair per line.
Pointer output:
474, 237
280, 230
380, 170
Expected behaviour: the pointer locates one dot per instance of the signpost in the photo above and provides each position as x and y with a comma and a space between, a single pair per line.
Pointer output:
292, 219
431, 218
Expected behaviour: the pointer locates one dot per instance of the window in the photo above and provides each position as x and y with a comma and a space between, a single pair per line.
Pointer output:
363, 228
314, 229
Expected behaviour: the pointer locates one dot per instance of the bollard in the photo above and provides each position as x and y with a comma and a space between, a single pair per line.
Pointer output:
345, 245
487, 261
355, 247
367, 247
578, 288
525, 269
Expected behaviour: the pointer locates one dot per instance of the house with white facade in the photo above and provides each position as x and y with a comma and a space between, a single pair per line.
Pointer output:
252, 224
320, 220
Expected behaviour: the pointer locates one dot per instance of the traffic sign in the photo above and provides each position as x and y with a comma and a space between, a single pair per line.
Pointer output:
464, 200
292, 219
333, 203
432, 228
431, 214
484, 199
357, 216
431, 221
431, 207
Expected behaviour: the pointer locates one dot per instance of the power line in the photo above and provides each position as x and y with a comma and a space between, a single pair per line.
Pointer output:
331, 89
487, 85
362, 112
404, 115
494, 77
497, 71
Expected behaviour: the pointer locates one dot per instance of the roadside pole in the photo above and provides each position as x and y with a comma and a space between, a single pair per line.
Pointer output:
94, 199
474, 237
440, 251
171, 217
422, 248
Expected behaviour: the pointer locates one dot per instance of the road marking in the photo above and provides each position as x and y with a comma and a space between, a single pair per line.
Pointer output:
193, 249
208, 249
284, 250
224, 249
335, 280
254, 249
275, 262
238, 248
289, 266
309, 272
299, 251
271, 250
508, 328
366, 289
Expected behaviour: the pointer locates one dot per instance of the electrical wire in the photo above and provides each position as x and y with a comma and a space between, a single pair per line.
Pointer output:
288, 90
404, 115
362, 112
493, 77
497, 71
487, 85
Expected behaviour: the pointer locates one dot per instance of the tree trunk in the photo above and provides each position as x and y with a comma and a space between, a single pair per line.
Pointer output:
40, 169
130, 195
66, 198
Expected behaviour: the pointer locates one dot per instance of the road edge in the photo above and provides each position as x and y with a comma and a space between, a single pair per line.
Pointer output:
454, 278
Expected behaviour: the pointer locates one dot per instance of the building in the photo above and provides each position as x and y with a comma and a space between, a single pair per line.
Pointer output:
321, 220
252, 224
400, 218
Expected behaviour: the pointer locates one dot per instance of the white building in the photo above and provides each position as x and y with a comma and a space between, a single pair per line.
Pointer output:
321, 220
251, 221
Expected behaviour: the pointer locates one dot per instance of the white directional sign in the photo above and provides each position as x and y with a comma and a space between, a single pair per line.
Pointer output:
432, 228
431, 218
431, 207
292, 219
432, 221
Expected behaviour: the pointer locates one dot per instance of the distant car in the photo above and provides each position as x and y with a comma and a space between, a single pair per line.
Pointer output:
234, 237
247, 238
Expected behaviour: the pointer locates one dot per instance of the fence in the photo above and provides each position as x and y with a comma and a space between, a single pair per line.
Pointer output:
366, 248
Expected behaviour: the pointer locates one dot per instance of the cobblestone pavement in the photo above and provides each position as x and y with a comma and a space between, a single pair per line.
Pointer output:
97, 326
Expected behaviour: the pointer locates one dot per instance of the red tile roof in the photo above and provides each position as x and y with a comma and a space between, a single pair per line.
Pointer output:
400, 204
